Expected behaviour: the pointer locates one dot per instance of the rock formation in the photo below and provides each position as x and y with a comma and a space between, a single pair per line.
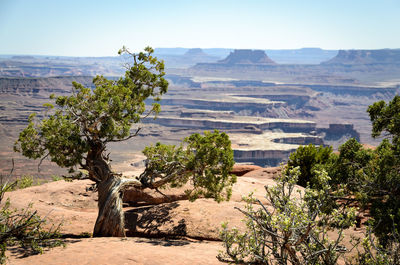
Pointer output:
195, 52
352, 57
247, 57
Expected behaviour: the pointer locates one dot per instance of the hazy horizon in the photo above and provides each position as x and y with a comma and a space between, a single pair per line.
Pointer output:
100, 28
166, 48
184, 48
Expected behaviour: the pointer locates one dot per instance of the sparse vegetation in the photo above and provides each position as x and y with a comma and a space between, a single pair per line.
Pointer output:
23, 227
56, 178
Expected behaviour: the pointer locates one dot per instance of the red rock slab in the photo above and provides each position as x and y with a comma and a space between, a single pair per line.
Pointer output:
240, 170
201, 219
264, 173
108, 251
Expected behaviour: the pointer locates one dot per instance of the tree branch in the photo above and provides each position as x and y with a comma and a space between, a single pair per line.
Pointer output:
41, 160
124, 139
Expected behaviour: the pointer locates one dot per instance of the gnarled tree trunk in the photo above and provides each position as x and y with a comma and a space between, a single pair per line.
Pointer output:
110, 220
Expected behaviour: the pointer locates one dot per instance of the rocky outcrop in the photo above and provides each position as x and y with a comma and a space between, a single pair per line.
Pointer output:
337, 131
247, 57
383, 56
242, 169
263, 157
300, 140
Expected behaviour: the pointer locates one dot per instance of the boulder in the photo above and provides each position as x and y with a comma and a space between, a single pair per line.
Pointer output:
240, 169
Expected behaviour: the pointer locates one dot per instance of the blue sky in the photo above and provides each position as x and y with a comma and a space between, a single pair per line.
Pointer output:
100, 28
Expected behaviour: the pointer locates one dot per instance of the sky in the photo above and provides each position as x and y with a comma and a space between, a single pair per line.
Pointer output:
101, 28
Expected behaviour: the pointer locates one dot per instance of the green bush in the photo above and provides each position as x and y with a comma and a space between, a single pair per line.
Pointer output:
309, 159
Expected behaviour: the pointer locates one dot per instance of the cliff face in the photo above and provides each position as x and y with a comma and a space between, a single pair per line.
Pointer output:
40, 87
231, 124
384, 56
247, 57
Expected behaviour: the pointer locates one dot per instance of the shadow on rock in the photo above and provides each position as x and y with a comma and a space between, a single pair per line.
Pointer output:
164, 242
25, 251
154, 221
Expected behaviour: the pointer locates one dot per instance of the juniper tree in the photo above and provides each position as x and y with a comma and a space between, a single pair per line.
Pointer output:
76, 131
383, 187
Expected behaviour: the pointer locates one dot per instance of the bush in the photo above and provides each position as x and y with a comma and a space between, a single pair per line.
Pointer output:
352, 166
294, 231
309, 159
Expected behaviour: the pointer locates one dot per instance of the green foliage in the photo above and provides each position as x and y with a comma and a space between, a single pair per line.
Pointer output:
293, 230
383, 188
373, 253
24, 228
309, 159
210, 161
205, 161
56, 178
352, 165
371, 176
386, 118
23, 182
100, 115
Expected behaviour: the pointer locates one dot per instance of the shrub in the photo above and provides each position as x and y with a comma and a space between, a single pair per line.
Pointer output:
294, 231
310, 158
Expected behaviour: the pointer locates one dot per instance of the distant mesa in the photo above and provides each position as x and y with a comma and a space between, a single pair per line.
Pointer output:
197, 52
383, 56
247, 57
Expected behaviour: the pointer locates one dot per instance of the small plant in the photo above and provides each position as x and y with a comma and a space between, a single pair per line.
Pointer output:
25, 228
56, 178
85, 235
25, 182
